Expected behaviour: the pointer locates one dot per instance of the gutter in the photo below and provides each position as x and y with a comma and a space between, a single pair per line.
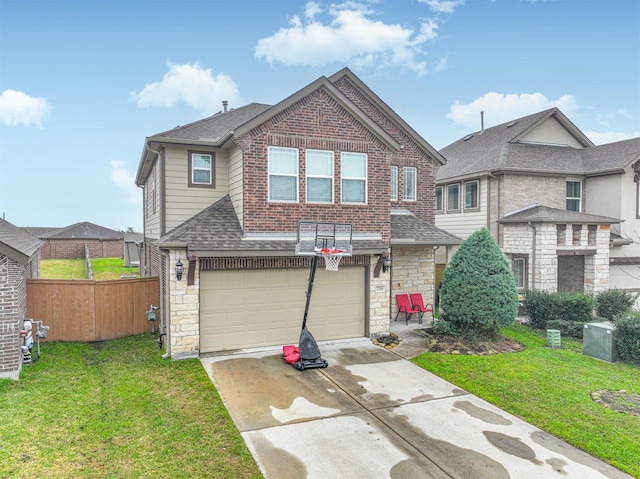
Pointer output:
533, 255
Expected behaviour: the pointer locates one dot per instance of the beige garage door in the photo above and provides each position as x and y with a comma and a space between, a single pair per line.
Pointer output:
253, 308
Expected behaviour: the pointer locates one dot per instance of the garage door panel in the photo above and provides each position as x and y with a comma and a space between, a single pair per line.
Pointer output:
252, 308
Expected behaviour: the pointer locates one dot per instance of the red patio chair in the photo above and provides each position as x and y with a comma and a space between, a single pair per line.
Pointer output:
404, 306
417, 303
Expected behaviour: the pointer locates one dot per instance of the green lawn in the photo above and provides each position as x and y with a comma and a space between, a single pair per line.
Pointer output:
117, 409
103, 269
551, 388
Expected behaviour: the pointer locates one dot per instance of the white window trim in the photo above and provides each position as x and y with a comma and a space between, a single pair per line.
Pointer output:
269, 174
331, 177
210, 170
473, 208
441, 209
394, 183
355, 178
405, 170
447, 202
574, 197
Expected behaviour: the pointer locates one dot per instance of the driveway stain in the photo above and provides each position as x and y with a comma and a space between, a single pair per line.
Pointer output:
301, 408
481, 413
512, 446
277, 462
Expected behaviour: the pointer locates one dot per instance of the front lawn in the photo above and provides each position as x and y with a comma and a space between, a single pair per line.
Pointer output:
117, 409
550, 388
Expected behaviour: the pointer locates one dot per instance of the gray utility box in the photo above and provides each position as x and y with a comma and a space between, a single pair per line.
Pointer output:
598, 341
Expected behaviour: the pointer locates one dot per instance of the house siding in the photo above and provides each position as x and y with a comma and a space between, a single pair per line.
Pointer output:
235, 182
153, 203
551, 132
184, 201
465, 223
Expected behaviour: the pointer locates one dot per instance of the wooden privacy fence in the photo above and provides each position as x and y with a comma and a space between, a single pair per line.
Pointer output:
87, 310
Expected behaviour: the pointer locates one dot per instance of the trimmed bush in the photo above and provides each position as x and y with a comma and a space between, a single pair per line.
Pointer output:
627, 336
543, 307
478, 293
613, 302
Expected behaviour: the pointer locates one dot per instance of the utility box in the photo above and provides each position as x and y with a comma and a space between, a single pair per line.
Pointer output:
553, 338
598, 341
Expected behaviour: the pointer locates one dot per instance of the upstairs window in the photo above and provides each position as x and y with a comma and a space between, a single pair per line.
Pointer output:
283, 174
394, 183
574, 195
439, 206
453, 197
354, 177
201, 169
410, 183
471, 189
319, 176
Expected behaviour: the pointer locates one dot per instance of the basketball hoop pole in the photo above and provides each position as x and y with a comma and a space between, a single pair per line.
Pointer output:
312, 275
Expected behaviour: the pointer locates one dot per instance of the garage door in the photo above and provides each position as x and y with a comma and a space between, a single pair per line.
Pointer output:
252, 308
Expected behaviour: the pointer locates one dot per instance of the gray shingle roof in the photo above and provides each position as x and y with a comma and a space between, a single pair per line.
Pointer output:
84, 230
544, 214
497, 148
408, 229
16, 243
214, 127
216, 231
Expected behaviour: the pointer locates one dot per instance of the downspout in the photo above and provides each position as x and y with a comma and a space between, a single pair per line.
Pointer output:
533, 256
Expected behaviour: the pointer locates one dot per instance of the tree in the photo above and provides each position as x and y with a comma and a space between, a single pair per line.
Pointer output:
478, 292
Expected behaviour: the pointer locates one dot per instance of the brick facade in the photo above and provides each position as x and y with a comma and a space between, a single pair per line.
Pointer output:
13, 310
75, 249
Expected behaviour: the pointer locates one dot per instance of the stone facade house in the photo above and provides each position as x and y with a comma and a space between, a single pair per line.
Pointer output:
564, 211
70, 242
223, 197
19, 261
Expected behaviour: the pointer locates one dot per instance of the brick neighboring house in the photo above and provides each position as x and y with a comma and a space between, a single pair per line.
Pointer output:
19, 261
224, 196
564, 211
69, 242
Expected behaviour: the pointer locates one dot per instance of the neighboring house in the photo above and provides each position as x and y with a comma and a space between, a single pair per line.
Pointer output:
19, 261
224, 196
561, 208
69, 242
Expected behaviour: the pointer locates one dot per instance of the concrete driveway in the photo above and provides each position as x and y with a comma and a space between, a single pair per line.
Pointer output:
373, 414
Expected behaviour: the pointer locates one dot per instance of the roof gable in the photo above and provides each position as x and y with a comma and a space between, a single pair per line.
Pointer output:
17, 244
84, 230
544, 214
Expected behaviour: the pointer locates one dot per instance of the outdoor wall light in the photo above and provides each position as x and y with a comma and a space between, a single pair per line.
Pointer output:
179, 269
386, 266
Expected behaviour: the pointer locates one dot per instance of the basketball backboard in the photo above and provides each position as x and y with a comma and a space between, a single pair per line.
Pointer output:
314, 237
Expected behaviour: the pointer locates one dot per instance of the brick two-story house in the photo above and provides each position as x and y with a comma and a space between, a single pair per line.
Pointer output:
19, 261
561, 208
224, 195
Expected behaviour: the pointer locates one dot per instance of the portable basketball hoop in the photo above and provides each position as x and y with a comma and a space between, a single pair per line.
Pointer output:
332, 241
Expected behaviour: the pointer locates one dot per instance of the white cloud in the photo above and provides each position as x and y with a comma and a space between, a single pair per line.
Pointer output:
349, 35
190, 84
125, 180
443, 6
18, 108
600, 138
499, 108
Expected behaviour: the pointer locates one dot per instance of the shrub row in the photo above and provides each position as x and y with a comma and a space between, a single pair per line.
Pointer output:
627, 336
573, 329
543, 306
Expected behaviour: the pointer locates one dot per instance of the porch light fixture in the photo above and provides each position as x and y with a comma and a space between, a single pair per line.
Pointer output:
386, 266
179, 269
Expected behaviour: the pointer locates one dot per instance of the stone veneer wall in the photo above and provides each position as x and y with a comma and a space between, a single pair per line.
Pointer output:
184, 310
379, 301
412, 271
518, 240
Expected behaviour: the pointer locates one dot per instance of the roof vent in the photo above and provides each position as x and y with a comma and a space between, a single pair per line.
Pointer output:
225, 104
468, 137
513, 123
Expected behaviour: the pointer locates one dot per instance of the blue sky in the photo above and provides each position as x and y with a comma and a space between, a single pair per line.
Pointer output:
82, 83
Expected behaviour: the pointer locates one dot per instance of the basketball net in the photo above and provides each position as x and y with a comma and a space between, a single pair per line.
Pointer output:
332, 258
